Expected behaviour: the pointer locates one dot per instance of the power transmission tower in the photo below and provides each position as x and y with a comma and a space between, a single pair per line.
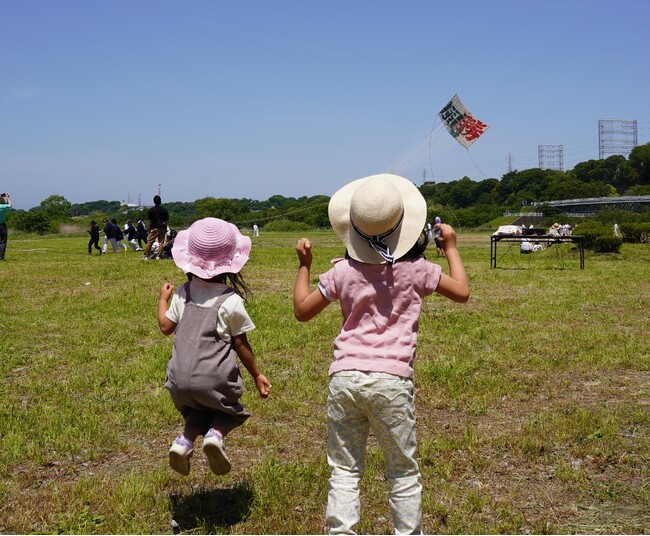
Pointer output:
551, 157
617, 136
510, 166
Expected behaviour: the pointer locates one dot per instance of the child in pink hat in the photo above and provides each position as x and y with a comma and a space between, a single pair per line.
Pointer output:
209, 320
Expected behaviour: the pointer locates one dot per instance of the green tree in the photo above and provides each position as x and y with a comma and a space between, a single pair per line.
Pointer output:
230, 210
56, 207
640, 161
34, 221
519, 187
615, 170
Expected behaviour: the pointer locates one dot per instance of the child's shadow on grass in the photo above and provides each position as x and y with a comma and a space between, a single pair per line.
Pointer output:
211, 510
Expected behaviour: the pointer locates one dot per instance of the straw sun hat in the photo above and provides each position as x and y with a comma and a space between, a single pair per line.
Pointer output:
378, 218
211, 247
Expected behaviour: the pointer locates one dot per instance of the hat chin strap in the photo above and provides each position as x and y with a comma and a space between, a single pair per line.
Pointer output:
377, 243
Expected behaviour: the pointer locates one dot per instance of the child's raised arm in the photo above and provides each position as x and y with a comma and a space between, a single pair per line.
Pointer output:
306, 305
455, 285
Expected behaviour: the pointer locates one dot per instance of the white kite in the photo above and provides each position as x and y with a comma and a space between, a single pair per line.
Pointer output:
464, 127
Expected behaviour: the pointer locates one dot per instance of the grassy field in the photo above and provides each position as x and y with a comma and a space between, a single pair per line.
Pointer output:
532, 400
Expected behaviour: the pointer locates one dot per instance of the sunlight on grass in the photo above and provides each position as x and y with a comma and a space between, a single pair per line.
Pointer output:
532, 399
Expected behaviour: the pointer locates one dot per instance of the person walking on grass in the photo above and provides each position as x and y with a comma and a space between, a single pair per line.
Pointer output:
210, 323
131, 235
436, 237
380, 285
157, 225
5, 206
119, 235
109, 236
94, 238
142, 234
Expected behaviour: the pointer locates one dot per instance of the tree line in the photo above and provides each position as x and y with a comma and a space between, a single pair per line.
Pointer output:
466, 202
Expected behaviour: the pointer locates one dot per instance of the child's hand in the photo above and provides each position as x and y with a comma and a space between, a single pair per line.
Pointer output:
263, 385
447, 237
303, 249
166, 291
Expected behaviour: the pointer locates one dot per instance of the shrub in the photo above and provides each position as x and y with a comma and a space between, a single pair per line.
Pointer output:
592, 231
608, 244
636, 233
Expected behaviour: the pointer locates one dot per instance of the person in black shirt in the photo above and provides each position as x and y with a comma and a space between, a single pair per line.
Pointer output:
131, 235
142, 234
94, 238
119, 235
158, 218
109, 235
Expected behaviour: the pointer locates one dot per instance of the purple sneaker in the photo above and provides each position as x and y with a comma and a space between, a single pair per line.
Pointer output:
215, 452
179, 455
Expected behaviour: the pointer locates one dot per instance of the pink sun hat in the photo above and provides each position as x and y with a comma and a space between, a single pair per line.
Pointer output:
211, 247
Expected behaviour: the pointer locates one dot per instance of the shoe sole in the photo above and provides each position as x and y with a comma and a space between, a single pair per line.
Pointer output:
179, 462
219, 462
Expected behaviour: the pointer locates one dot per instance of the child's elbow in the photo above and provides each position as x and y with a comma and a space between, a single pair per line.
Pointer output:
462, 293
301, 316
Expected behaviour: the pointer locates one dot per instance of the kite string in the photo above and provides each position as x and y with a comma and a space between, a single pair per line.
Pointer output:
432, 177
476, 165
277, 216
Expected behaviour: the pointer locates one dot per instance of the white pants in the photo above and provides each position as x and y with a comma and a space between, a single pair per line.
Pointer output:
356, 403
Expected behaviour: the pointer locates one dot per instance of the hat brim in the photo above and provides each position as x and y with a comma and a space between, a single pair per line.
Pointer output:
189, 264
401, 241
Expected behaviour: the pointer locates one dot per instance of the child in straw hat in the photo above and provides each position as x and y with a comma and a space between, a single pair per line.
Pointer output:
210, 324
380, 285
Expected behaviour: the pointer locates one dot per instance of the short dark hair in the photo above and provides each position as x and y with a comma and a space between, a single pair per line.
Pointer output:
157, 200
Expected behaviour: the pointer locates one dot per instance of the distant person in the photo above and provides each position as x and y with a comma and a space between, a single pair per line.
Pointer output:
554, 232
131, 234
109, 236
436, 237
210, 322
142, 233
525, 246
5, 206
616, 229
170, 238
256, 230
157, 225
429, 231
119, 235
94, 238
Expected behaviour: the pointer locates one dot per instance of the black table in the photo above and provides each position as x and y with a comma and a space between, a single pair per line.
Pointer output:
547, 239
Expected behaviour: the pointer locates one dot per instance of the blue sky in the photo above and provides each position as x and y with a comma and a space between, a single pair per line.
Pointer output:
109, 99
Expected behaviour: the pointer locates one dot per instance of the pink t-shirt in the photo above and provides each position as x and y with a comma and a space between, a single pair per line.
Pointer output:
381, 305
